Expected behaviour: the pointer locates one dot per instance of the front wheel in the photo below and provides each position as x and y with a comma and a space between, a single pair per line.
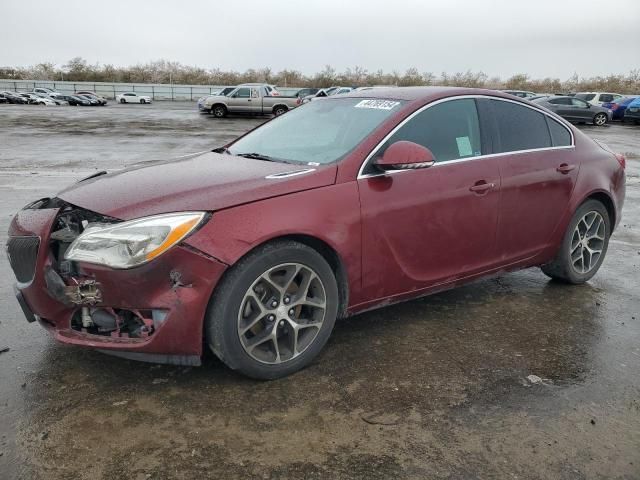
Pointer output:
584, 245
274, 311
599, 119
142, 101
219, 111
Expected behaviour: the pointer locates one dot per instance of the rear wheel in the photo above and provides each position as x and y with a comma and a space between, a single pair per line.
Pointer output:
122, 100
584, 245
273, 311
279, 110
600, 119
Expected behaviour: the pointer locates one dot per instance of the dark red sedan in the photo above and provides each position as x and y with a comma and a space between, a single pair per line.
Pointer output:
340, 206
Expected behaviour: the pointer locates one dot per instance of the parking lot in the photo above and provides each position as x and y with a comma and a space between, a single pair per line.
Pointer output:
432, 388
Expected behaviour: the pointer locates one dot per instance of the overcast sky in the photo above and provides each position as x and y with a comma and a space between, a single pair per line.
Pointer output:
499, 37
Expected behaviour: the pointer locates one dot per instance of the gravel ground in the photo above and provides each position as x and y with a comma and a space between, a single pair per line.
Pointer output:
432, 388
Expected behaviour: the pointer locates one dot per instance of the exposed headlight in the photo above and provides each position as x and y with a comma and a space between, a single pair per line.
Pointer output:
135, 242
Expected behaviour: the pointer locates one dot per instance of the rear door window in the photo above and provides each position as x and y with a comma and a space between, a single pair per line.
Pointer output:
606, 97
560, 101
450, 129
520, 127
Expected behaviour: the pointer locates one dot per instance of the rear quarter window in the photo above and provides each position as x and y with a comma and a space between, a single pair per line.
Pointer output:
560, 136
520, 127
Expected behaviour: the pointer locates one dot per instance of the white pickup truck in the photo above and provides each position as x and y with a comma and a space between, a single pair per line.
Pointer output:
249, 99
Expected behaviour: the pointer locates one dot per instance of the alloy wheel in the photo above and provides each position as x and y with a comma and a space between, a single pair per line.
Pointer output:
281, 313
600, 119
587, 242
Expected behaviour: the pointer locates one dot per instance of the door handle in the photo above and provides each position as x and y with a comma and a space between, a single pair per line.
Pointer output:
565, 168
481, 187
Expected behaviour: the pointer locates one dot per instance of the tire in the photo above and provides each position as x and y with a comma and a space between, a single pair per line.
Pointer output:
234, 320
122, 100
219, 111
571, 269
600, 119
143, 101
279, 110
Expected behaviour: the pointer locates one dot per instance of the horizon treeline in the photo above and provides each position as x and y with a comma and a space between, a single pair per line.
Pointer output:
163, 71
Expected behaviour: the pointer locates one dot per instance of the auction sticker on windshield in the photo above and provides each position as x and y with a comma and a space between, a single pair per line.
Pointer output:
377, 104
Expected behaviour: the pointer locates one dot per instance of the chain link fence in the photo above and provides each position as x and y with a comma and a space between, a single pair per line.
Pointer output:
110, 90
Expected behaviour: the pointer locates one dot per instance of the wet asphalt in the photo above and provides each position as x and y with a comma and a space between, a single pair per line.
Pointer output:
432, 388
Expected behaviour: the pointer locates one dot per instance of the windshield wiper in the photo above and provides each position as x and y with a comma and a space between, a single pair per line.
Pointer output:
260, 156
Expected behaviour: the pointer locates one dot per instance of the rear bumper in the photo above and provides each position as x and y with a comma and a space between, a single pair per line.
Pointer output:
178, 334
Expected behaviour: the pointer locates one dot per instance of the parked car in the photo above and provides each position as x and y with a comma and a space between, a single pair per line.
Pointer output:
31, 98
100, 98
521, 93
58, 100
305, 92
632, 112
132, 97
153, 262
222, 93
598, 98
15, 98
576, 110
34, 99
75, 100
619, 106
251, 99
93, 101
326, 92
47, 91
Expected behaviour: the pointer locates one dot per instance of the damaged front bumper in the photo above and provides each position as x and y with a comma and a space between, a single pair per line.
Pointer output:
153, 312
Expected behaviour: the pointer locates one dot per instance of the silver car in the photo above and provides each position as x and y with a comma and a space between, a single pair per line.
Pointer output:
576, 110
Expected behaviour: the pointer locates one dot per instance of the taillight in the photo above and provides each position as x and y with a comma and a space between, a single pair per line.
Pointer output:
621, 160
298, 101
614, 106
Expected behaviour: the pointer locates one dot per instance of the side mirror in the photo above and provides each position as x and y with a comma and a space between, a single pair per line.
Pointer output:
404, 155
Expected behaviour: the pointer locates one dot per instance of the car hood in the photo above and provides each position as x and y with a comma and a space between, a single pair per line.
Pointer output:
203, 182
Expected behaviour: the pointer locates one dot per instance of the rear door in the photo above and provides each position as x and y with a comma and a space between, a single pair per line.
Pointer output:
539, 168
425, 227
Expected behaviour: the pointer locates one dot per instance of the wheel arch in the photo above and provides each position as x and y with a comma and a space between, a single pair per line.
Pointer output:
286, 108
606, 200
327, 252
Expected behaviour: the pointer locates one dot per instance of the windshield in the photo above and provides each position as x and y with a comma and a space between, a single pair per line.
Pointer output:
319, 132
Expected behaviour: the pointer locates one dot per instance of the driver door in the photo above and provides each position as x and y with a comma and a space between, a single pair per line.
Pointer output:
240, 100
427, 227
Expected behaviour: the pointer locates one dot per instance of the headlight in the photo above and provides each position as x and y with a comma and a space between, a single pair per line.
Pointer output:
135, 242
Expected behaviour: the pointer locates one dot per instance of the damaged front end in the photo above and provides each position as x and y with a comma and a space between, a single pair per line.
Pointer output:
66, 283
151, 311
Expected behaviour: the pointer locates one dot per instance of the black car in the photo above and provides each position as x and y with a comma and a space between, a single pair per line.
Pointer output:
14, 98
75, 100
93, 101
92, 95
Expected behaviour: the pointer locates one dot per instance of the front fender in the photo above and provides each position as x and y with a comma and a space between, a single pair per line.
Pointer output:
330, 214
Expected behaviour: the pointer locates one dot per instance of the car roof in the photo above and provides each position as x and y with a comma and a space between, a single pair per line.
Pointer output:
423, 93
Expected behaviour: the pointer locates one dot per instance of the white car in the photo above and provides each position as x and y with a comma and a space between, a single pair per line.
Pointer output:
326, 92
132, 97
598, 98
38, 100
46, 91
